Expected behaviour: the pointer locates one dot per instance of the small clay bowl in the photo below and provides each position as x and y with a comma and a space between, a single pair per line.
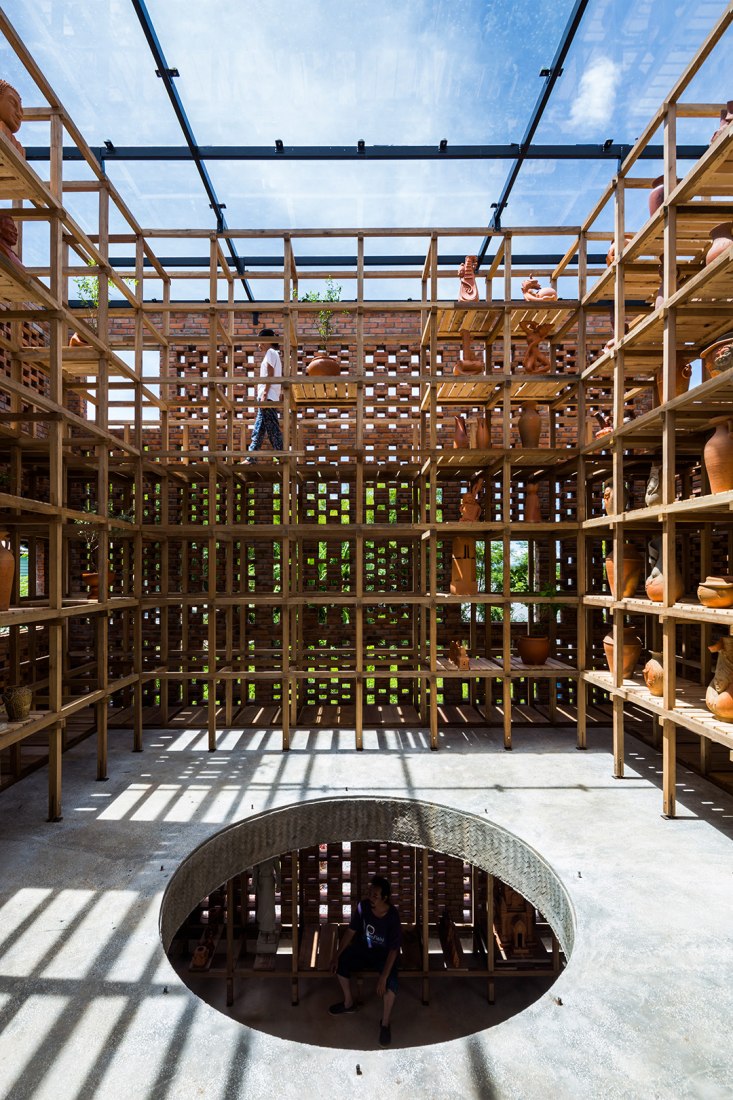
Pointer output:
716, 592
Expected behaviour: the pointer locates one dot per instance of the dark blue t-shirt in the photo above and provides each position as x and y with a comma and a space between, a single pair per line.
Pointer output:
379, 934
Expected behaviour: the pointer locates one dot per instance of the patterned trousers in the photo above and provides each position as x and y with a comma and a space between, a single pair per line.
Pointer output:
266, 422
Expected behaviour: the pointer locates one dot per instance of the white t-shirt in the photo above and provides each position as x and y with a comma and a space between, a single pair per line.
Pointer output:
270, 393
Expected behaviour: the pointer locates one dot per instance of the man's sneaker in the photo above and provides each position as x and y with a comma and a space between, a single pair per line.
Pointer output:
340, 1008
385, 1035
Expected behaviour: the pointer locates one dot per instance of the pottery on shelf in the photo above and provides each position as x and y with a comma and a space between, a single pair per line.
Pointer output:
324, 365
631, 652
17, 702
633, 565
468, 291
11, 115
533, 649
7, 572
533, 291
653, 673
530, 425
726, 117
653, 493
467, 364
9, 240
721, 238
463, 567
460, 438
91, 580
536, 361
719, 695
483, 432
718, 457
77, 341
716, 592
683, 373
656, 195
719, 356
654, 587
532, 510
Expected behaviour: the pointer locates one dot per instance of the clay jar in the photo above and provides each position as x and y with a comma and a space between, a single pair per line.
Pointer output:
323, 364
7, 572
633, 565
683, 373
631, 653
654, 587
718, 357
530, 425
653, 673
483, 432
460, 439
532, 511
718, 457
533, 649
719, 696
716, 592
17, 702
721, 237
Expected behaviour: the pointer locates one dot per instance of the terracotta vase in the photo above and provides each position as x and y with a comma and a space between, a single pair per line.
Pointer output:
654, 587
324, 365
533, 649
718, 457
653, 673
719, 696
17, 702
721, 237
483, 432
631, 653
91, 580
463, 567
7, 572
656, 195
683, 373
633, 565
532, 511
716, 592
460, 439
718, 357
530, 425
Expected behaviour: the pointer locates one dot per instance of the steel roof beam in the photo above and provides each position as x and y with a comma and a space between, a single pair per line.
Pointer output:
348, 262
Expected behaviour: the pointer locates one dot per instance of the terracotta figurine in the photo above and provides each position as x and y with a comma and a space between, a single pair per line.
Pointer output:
536, 361
11, 114
468, 291
726, 117
467, 364
534, 292
9, 239
719, 696
653, 494
463, 552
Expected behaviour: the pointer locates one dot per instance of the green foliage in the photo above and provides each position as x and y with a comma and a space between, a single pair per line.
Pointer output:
324, 317
88, 288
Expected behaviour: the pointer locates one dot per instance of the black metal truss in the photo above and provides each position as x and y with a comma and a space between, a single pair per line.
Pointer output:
346, 264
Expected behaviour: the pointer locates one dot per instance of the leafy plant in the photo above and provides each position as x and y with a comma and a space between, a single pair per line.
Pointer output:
324, 317
88, 288
546, 612
89, 531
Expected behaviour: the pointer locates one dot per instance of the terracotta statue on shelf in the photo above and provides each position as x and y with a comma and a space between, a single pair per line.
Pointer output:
460, 439
458, 656
463, 553
606, 424
718, 357
726, 117
609, 499
535, 361
654, 583
11, 114
266, 881
533, 291
466, 364
719, 696
9, 239
468, 291
653, 673
653, 494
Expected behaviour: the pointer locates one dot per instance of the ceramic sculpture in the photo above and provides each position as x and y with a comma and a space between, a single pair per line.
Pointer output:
468, 291
466, 364
721, 238
719, 696
536, 361
11, 114
653, 673
718, 458
530, 425
7, 572
463, 553
532, 291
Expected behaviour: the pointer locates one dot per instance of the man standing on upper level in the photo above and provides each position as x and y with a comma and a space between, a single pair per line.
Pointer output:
270, 367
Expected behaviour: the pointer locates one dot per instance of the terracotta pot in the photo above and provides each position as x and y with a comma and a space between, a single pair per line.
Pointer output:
721, 237
683, 373
716, 592
483, 432
718, 458
460, 439
654, 587
532, 511
17, 702
719, 696
718, 357
463, 567
533, 649
631, 653
656, 195
654, 675
91, 580
324, 365
7, 572
633, 565
530, 425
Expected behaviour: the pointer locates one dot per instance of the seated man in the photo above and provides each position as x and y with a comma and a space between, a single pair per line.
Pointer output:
372, 942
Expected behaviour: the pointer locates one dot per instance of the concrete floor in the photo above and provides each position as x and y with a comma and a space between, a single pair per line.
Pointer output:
91, 1007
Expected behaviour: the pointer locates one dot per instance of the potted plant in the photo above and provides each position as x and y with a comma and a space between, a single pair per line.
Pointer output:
88, 288
534, 646
323, 363
89, 532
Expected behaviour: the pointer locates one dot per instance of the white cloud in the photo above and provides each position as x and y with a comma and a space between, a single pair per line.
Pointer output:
596, 98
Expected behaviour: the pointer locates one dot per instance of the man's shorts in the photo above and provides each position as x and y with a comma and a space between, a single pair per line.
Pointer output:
358, 956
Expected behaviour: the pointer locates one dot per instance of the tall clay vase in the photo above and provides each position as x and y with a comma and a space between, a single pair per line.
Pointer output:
719, 696
718, 458
721, 237
460, 439
683, 373
631, 653
7, 572
633, 565
530, 425
483, 432
532, 511
653, 673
